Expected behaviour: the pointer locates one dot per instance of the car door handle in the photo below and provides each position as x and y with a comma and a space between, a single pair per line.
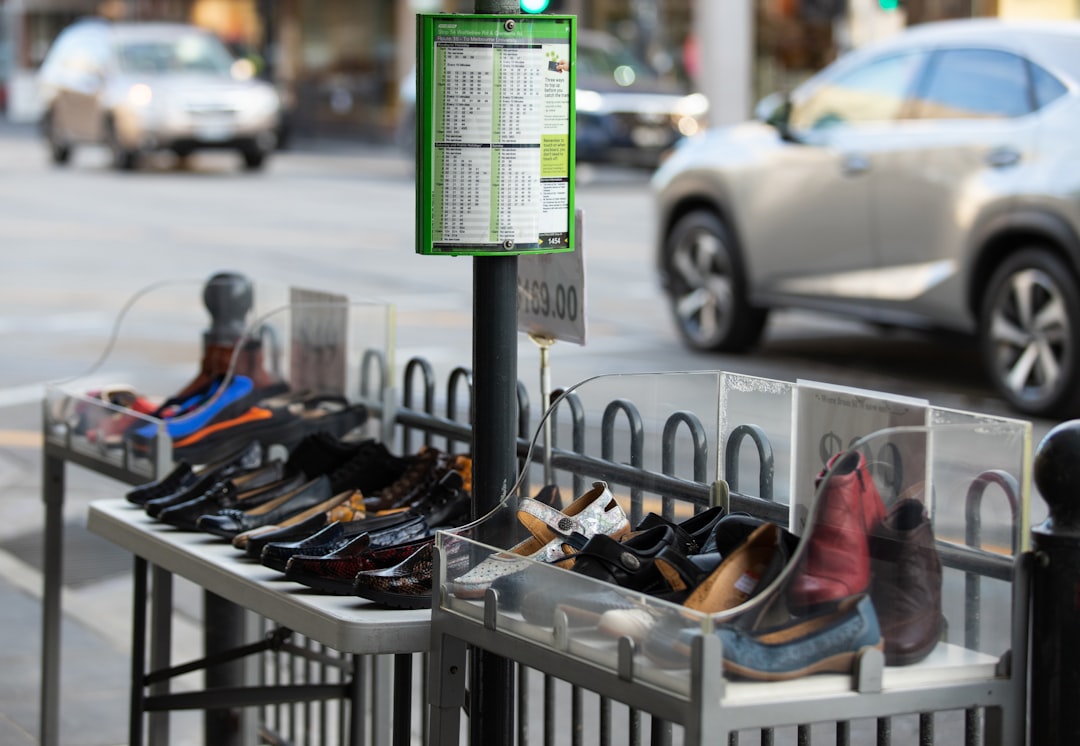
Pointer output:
853, 164
1002, 157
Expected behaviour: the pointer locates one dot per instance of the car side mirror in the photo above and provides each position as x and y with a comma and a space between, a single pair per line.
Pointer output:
775, 110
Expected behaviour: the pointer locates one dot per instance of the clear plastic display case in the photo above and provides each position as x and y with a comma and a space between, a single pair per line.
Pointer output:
890, 569
170, 370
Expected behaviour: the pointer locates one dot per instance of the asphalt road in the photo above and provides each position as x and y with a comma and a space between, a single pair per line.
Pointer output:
79, 241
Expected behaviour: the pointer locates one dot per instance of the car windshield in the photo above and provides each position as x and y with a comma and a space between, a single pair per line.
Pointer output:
618, 62
192, 53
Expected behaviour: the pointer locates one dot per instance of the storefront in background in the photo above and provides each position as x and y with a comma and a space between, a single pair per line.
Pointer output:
339, 64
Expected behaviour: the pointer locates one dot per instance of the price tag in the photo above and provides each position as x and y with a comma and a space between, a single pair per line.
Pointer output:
829, 419
317, 358
551, 292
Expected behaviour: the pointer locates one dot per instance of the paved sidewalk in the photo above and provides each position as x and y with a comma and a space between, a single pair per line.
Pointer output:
95, 598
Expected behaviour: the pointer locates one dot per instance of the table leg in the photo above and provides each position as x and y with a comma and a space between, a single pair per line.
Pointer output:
52, 494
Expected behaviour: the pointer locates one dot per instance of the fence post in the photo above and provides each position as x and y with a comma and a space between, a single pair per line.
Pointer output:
1054, 718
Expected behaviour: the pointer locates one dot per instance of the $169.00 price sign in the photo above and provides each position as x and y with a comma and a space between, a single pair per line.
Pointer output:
551, 293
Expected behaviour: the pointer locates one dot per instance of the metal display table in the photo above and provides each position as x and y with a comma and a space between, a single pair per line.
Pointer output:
699, 697
344, 623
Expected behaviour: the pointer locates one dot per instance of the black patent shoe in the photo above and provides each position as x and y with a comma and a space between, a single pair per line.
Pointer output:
276, 552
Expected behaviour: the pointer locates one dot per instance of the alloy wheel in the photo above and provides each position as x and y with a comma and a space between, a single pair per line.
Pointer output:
1030, 325
706, 286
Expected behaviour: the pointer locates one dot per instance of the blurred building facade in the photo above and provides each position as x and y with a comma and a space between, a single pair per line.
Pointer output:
339, 62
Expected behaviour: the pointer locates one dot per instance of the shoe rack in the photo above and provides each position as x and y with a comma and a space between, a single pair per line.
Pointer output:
168, 341
972, 470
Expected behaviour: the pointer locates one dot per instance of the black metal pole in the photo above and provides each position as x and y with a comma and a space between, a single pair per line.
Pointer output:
1055, 594
223, 630
491, 716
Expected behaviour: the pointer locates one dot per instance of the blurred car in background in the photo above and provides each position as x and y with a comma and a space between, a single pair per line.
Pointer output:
931, 181
141, 87
627, 112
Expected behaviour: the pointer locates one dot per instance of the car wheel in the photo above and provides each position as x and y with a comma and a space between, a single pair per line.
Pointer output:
707, 286
1029, 333
59, 151
254, 158
123, 158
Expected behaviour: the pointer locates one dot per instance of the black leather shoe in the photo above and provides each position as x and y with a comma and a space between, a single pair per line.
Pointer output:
231, 521
185, 481
337, 535
244, 480
223, 495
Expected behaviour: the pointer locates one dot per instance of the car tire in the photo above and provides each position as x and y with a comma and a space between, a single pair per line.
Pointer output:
59, 151
254, 158
706, 286
123, 158
1029, 333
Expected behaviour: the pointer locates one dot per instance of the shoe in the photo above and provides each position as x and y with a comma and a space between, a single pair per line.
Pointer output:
275, 553
595, 512
231, 521
828, 641
836, 561
406, 585
742, 575
421, 472
694, 533
336, 571
285, 425
906, 588
651, 562
244, 491
284, 525
372, 468
187, 478
236, 480
220, 400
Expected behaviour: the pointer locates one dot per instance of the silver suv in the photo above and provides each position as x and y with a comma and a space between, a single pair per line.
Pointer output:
930, 181
139, 87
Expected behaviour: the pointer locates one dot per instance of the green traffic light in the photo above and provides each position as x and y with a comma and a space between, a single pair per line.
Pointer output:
534, 6
883, 4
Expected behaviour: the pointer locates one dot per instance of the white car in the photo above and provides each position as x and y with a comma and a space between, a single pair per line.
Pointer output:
931, 181
140, 87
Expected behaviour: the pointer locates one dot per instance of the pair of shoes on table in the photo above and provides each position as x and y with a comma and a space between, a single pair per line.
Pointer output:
552, 534
317, 454
661, 559
220, 399
371, 468
279, 421
332, 566
187, 478
446, 504
549, 540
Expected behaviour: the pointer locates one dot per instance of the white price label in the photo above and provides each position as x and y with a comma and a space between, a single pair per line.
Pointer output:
551, 292
829, 419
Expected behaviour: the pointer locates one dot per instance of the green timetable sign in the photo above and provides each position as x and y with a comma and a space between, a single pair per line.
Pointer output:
495, 134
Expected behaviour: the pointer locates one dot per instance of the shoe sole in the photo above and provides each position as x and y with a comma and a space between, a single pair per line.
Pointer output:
840, 663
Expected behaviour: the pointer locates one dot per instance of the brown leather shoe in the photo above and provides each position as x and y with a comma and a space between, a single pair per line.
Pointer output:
907, 581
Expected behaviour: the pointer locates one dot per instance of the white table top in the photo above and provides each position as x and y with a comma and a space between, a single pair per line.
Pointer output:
345, 623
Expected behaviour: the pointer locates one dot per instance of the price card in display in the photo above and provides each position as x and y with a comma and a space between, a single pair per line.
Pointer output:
829, 419
551, 293
319, 334
495, 134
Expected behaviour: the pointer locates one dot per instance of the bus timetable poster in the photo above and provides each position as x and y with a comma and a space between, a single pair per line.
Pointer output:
495, 134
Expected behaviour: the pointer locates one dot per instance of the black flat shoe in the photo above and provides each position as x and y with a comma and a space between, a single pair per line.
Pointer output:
231, 521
